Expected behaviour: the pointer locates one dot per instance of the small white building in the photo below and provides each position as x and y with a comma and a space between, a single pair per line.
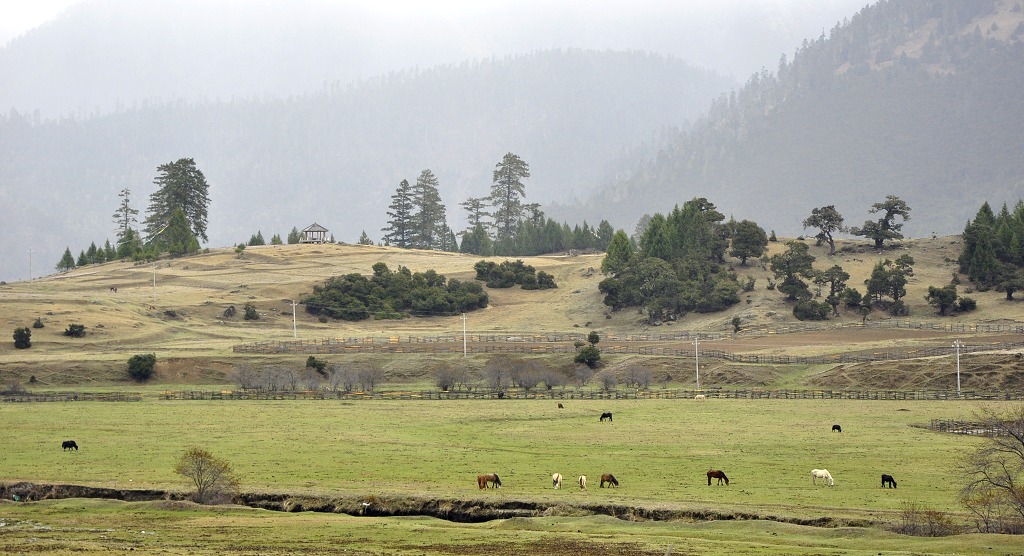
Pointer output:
314, 233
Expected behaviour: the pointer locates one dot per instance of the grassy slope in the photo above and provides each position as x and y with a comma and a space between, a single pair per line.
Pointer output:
185, 327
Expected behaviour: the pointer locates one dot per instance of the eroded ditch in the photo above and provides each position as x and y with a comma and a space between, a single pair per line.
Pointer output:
450, 509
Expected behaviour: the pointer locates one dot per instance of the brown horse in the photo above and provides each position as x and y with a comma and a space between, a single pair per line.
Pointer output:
717, 474
610, 479
483, 480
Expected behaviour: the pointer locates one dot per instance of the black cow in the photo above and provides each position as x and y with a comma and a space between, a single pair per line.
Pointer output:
606, 415
68, 445
888, 480
837, 428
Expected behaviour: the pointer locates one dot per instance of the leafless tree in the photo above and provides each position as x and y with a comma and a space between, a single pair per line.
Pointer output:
246, 377
552, 378
370, 376
608, 380
995, 473
311, 379
498, 372
637, 377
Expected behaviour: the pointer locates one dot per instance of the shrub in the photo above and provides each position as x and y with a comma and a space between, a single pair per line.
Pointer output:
75, 330
140, 367
38, 323
588, 356
212, 477
811, 310
316, 364
966, 304
250, 312
230, 312
22, 338
748, 284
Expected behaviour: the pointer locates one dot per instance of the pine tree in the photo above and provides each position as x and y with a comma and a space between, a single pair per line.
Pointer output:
399, 230
180, 185
365, 239
124, 216
429, 221
294, 237
67, 262
507, 191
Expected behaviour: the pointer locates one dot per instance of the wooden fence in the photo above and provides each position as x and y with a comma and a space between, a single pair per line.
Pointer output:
561, 395
495, 344
970, 428
71, 397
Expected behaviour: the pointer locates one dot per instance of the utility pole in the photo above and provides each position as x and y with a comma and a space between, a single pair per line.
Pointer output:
696, 359
464, 334
295, 331
957, 345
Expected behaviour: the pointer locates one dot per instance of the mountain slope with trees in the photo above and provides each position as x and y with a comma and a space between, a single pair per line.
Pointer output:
914, 98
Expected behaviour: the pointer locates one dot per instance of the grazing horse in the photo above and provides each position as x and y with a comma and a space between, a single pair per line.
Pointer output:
583, 482
610, 479
822, 474
483, 480
606, 415
556, 480
700, 397
837, 428
560, 406
717, 474
888, 480
69, 445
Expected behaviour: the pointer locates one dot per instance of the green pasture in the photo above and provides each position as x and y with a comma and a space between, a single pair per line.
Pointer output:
658, 449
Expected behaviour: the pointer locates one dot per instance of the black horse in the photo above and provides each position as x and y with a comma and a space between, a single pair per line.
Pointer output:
837, 428
69, 445
606, 415
888, 480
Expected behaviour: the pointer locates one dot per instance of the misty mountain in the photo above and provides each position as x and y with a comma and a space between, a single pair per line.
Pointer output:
915, 98
335, 156
102, 55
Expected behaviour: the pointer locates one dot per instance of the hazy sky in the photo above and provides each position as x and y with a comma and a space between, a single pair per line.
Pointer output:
718, 34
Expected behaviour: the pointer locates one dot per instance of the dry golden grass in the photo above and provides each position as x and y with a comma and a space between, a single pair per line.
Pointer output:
182, 318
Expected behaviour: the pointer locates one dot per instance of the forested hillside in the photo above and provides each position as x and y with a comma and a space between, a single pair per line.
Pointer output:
915, 98
335, 156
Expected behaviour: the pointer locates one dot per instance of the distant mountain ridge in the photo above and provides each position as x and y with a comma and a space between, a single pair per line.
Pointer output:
916, 98
335, 156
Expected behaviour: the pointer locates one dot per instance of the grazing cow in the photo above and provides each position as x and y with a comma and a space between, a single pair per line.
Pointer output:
560, 406
606, 415
837, 428
583, 482
822, 474
717, 474
888, 480
483, 481
69, 445
610, 479
556, 480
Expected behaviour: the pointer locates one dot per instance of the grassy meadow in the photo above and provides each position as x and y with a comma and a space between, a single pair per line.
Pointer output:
658, 449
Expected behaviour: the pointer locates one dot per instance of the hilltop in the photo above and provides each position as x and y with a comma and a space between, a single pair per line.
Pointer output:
182, 319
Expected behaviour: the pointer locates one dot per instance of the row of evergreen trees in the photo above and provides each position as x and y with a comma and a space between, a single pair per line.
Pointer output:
498, 224
993, 251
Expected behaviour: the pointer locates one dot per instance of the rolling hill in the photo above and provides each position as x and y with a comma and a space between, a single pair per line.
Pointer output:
182, 320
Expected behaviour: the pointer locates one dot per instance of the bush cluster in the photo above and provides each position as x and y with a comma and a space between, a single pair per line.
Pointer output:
388, 295
508, 274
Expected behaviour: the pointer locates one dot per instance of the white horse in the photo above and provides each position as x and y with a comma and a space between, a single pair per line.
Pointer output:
699, 397
583, 482
822, 474
556, 480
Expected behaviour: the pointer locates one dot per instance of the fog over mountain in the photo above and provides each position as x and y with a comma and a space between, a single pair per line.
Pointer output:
99, 55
